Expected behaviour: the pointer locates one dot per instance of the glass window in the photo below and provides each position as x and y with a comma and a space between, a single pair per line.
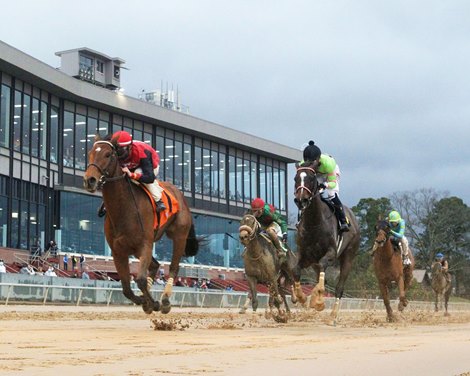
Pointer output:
269, 184
103, 128
178, 163
43, 127
239, 179
15, 230
26, 124
214, 173
100, 66
17, 121
253, 170
247, 180
161, 152
232, 189
187, 162
5, 116
54, 133
262, 181
282, 185
92, 130
3, 220
222, 175
68, 138
198, 169
206, 172
35, 128
276, 187
80, 142
169, 156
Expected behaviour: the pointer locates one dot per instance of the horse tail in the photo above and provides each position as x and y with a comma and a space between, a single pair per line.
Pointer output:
192, 243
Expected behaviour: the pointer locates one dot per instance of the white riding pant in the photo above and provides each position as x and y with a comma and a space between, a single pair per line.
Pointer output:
328, 194
154, 188
405, 249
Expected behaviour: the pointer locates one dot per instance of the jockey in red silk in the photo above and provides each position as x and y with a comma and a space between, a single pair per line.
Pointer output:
141, 163
272, 221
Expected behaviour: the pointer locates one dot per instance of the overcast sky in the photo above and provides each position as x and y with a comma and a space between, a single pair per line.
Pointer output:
383, 86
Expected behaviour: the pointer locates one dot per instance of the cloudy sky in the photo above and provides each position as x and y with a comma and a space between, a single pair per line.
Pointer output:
384, 86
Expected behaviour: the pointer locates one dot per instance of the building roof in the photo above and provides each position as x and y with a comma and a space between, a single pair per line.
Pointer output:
60, 84
91, 52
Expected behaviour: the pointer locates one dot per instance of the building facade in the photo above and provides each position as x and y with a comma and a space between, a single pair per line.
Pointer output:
48, 120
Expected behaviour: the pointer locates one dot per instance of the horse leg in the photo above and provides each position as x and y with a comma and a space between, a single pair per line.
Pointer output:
446, 300
252, 282
122, 268
436, 302
152, 273
317, 299
247, 303
297, 289
142, 281
345, 268
386, 298
401, 289
179, 244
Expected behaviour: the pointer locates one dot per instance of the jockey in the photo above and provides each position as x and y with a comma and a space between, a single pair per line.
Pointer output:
141, 163
445, 265
328, 174
273, 222
397, 230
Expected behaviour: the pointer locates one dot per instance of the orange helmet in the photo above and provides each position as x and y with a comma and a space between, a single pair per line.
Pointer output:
257, 203
123, 138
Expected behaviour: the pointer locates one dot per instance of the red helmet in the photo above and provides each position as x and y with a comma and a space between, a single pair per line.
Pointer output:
257, 203
123, 138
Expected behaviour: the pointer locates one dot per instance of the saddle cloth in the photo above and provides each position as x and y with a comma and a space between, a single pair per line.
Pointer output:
171, 204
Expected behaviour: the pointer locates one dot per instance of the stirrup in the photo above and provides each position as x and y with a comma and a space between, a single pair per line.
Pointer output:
101, 211
343, 227
160, 206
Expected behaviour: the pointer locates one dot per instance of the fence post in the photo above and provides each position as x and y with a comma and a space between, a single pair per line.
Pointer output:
79, 296
46, 291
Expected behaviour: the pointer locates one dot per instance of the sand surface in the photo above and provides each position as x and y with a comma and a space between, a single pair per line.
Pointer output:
37, 340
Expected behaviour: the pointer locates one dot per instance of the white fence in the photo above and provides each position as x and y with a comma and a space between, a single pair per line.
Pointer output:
102, 293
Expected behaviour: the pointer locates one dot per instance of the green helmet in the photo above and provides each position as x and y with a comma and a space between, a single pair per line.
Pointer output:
394, 216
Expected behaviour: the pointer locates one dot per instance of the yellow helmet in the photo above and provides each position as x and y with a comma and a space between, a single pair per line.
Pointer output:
394, 216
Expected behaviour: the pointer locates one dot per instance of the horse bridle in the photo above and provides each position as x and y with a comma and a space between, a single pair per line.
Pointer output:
104, 171
251, 231
302, 187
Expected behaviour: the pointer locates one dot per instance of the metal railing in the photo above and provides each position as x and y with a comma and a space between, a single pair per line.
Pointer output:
111, 294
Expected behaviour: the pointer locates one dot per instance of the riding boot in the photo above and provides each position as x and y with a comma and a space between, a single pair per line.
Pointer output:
339, 211
156, 192
281, 252
101, 210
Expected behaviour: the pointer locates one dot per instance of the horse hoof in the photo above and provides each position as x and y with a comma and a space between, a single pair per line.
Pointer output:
148, 308
319, 307
242, 311
157, 306
166, 306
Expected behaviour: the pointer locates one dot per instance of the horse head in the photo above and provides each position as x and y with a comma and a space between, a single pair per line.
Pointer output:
436, 268
306, 184
248, 230
102, 164
382, 231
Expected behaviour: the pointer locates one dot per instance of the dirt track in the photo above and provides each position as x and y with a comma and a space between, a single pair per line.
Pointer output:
124, 341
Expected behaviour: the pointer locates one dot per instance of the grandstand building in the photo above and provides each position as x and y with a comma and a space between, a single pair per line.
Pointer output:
48, 119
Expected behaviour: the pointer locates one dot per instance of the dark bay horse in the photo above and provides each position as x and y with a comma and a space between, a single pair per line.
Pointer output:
128, 225
262, 265
441, 285
319, 242
388, 266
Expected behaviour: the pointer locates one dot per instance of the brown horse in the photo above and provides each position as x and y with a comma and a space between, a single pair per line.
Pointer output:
388, 266
441, 285
262, 265
319, 241
129, 224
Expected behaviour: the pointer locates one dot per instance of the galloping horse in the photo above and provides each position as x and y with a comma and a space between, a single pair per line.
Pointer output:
129, 224
262, 265
441, 285
388, 266
319, 241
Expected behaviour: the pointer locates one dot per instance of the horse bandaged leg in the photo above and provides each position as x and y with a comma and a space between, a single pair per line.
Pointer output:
317, 300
